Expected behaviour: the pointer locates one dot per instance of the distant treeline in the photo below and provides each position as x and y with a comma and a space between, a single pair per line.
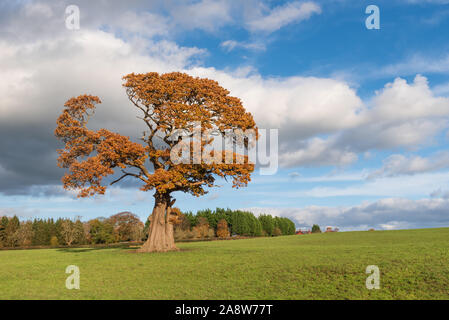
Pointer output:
123, 226
242, 223
126, 226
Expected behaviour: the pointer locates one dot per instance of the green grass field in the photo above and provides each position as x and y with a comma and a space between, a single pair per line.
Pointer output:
414, 264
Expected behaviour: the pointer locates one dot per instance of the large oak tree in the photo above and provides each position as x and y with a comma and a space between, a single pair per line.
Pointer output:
166, 103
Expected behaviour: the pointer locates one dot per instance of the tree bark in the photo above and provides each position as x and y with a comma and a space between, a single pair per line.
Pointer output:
160, 236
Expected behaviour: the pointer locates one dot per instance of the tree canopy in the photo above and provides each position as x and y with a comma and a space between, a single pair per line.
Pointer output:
168, 102
183, 115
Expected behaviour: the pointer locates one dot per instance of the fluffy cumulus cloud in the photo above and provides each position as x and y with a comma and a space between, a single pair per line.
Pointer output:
305, 109
400, 115
306, 104
385, 214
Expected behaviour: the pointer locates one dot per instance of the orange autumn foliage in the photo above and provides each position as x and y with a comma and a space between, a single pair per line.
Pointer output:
222, 229
166, 102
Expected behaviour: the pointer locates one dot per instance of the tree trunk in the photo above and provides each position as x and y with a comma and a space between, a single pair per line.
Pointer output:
160, 235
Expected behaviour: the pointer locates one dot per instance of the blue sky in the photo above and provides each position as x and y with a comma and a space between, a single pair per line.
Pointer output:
363, 115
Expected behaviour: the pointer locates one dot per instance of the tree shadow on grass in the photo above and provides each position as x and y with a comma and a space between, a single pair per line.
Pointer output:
181, 250
131, 248
96, 248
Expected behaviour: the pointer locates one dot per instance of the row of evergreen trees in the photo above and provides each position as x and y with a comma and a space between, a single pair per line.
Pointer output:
244, 223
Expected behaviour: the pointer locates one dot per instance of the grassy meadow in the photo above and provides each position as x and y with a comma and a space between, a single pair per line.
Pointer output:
414, 264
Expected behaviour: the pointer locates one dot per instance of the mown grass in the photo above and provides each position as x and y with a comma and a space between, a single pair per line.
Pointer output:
414, 264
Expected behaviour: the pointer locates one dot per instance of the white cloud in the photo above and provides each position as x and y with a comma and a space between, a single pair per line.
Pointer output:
400, 100
416, 64
205, 14
41, 9
20, 212
317, 152
386, 214
283, 15
307, 104
301, 108
142, 23
394, 186
440, 193
400, 115
86, 61
294, 175
398, 164
230, 45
